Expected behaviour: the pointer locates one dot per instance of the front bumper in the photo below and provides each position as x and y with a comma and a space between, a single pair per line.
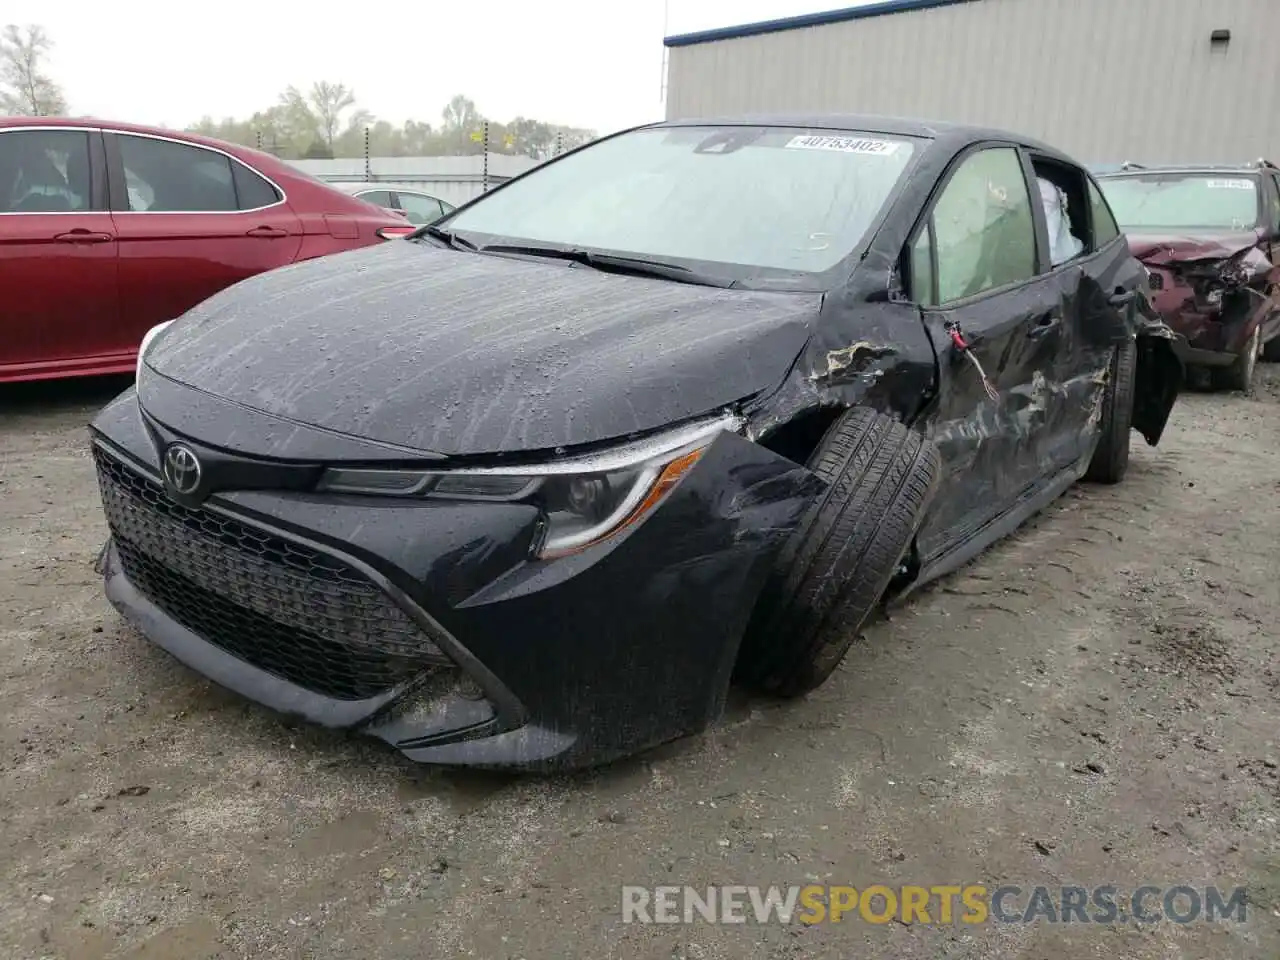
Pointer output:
426, 625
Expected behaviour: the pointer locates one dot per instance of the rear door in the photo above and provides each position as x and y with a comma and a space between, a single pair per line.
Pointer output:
191, 220
974, 266
1096, 281
59, 297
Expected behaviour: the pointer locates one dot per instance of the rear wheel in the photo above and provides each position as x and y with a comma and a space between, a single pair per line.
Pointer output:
1239, 376
1111, 457
835, 567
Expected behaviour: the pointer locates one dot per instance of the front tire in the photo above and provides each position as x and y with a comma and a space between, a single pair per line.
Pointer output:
835, 567
1111, 457
1239, 376
1271, 350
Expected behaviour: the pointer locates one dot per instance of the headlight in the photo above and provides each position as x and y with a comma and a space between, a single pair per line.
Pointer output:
147, 338
584, 500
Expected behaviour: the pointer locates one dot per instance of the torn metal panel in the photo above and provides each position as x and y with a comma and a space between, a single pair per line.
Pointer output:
862, 353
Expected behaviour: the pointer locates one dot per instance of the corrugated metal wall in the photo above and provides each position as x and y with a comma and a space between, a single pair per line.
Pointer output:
452, 179
1103, 80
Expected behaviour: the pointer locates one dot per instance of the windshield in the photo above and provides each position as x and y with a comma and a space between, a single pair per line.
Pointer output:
745, 202
1179, 201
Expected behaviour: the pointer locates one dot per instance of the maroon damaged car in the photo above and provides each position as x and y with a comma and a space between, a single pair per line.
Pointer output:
1210, 240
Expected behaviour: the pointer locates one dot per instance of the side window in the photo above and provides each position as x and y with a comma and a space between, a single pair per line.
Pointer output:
921, 270
1275, 202
252, 192
44, 171
380, 197
420, 209
983, 226
1064, 198
167, 177
1104, 222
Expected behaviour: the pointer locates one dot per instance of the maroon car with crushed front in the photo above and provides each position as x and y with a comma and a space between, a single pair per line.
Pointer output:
1210, 240
108, 229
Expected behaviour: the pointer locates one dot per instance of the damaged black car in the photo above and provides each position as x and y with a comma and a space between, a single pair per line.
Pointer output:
688, 403
1210, 240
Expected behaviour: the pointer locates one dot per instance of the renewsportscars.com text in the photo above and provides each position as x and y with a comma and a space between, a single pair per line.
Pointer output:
937, 904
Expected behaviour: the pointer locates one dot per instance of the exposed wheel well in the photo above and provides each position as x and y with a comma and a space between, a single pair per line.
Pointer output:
799, 437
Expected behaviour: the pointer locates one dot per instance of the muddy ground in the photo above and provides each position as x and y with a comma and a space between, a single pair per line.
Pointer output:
1095, 701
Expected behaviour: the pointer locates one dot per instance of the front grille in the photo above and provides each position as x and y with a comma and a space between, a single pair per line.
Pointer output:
1156, 280
300, 614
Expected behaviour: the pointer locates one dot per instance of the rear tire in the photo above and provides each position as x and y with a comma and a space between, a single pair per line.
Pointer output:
1239, 376
833, 570
1111, 457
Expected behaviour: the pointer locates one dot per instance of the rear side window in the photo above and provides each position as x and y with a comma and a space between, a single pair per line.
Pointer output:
44, 171
252, 191
1104, 224
380, 197
167, 177
420, 209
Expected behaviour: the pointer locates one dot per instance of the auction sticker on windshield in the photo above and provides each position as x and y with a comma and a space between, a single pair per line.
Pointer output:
1230, 185
882, 148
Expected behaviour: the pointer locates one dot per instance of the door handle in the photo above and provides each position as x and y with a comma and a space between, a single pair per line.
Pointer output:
1046, 324
266, 232
81, 235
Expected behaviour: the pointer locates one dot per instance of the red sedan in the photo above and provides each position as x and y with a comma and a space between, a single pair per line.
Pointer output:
108, 229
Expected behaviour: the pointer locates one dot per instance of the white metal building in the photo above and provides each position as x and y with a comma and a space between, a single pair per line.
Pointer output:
1104, 80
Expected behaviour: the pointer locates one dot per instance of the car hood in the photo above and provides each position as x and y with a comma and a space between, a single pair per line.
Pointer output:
457, 353
1157, 249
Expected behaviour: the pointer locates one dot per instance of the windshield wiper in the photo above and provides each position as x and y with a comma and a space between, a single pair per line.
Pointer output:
612, 263
449, 237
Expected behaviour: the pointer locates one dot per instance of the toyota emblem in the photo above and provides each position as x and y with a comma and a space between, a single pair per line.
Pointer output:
182, 469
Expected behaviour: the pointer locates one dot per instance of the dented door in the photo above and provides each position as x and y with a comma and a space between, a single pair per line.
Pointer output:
992, 446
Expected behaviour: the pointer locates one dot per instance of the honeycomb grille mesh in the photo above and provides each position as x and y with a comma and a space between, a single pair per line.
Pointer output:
300, 614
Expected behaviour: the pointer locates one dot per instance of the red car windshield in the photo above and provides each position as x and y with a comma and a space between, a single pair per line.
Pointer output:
1182, 201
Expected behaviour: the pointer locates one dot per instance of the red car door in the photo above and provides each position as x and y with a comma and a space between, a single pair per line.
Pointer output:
191, 221
58, 255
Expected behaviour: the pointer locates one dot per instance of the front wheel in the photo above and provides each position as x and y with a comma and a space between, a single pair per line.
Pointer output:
1239, 376
835, 567
1271, 350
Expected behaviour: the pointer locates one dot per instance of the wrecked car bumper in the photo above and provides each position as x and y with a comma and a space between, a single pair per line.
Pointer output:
1201, 356
425, 623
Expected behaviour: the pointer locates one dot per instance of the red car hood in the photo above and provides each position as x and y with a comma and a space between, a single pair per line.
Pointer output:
1158, 249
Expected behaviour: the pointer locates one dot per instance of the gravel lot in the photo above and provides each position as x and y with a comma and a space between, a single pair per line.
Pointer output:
1094, 701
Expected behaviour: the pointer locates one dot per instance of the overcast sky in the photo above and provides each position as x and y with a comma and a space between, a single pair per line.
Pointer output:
587, 63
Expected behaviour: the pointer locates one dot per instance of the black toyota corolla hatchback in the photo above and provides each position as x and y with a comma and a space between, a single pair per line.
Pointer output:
529, 488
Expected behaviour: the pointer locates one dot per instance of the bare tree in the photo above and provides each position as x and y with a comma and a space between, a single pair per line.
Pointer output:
327, 102
25, 89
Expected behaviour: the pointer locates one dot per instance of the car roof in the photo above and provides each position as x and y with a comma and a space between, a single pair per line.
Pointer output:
952, 134
117, 126
363, 185
1236, 169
